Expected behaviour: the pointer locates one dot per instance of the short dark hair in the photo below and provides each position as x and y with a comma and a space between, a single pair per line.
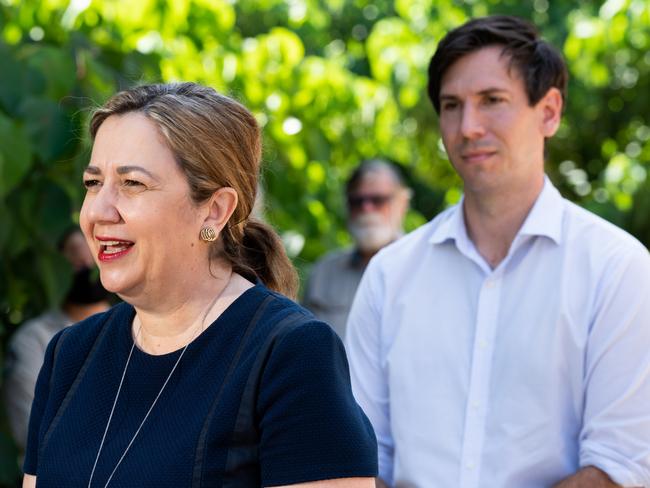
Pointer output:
538, 62
374, 165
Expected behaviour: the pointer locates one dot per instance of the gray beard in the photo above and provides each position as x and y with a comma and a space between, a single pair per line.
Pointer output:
371, 233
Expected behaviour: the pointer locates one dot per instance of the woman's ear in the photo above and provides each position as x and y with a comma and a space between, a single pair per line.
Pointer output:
221, 206
551, 110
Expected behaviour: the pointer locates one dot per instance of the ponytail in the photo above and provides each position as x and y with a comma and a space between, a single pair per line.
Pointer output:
217, 143
259, 253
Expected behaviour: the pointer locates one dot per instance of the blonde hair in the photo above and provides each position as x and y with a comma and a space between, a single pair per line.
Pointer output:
217, 143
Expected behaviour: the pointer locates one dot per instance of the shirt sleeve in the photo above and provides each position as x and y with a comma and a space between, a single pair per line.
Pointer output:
310, 426
616, 429
369, 380
24, 361
41, 395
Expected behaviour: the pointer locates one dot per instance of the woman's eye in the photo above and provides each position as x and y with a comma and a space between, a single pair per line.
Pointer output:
91, 184
132, 183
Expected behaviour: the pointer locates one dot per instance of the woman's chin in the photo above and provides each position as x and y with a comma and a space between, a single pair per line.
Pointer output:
116, 286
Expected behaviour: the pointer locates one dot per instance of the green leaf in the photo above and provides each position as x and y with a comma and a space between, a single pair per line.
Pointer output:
15, 154
55, 275
12, 81
48, 126
55, 213
6, 226
57, 64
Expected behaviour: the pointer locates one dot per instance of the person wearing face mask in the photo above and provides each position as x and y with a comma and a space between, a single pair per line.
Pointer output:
377, 201
85, 297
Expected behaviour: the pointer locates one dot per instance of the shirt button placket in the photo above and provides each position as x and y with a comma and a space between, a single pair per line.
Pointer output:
478, 392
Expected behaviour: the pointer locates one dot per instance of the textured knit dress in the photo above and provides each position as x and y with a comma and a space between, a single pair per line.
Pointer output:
261, 398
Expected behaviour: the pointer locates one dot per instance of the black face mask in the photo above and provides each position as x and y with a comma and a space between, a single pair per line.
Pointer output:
86, 288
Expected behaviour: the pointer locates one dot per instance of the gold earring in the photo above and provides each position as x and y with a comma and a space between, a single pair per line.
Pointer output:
208, 234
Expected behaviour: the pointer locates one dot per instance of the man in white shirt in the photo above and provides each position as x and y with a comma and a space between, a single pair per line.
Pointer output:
505, 344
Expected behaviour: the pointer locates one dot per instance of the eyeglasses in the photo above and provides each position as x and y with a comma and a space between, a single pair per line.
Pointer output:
357, 202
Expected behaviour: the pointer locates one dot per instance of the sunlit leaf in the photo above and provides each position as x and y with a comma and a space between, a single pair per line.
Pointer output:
15, 154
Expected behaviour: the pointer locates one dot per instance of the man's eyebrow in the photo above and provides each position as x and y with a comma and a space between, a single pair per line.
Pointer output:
486, 91
93, 170
491, 90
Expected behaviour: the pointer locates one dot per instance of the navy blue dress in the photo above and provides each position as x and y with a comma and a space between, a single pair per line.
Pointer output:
305, 424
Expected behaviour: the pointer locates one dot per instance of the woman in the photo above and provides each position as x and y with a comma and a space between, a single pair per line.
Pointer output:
204, 376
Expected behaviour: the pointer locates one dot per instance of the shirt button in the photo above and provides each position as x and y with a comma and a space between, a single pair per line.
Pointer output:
475, 405
490, 283
470, 466
483, 344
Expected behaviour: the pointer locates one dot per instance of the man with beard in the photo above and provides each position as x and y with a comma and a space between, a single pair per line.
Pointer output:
27, 347
377, 200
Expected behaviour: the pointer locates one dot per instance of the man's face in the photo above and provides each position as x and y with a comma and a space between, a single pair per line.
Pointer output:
376, 207
494, 138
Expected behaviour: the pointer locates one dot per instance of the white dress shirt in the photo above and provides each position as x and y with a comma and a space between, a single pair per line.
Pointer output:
513, 377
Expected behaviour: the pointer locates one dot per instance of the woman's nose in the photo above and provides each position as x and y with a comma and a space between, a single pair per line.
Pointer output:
101, 206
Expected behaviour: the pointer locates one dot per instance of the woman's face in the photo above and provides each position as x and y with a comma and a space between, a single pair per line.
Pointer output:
138, 218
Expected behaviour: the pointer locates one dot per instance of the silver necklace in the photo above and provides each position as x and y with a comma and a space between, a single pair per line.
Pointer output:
119, 389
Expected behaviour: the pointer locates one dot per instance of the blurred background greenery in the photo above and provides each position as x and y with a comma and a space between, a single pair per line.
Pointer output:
330, 81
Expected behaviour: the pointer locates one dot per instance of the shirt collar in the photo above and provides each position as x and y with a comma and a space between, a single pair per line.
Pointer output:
544, 219
452, 226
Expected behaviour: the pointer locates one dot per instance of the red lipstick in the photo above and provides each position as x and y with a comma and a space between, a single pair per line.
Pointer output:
112, 248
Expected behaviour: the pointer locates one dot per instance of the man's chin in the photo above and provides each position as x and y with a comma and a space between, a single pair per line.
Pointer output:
371, 236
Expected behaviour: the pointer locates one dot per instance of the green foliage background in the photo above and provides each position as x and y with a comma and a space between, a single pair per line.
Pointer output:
331, 82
